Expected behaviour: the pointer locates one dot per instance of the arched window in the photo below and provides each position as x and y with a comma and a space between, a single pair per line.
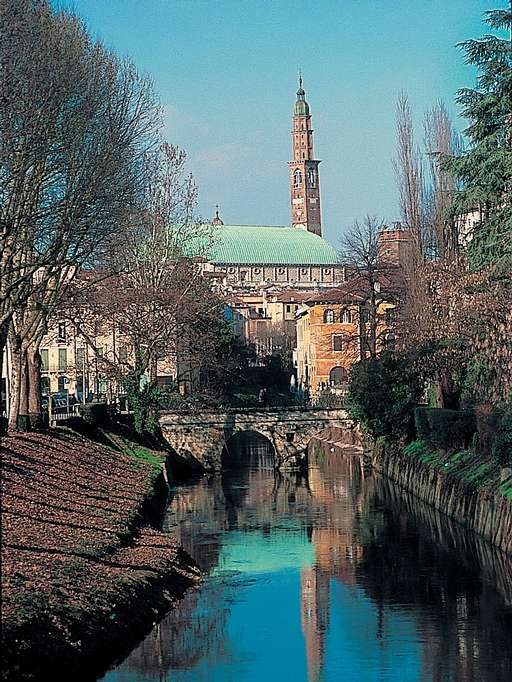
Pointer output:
389, 341
345, 317
311, 177
297, 178
338, 376
328, 316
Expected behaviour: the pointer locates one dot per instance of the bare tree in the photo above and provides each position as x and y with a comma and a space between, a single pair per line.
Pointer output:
75, 122
410, 180
153, 292
373, 281
441, 142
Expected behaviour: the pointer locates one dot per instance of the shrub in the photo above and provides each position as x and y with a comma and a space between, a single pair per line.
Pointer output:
444, 428
421, 423
94, 414
244, 400
382, 396
502, 446
328, 399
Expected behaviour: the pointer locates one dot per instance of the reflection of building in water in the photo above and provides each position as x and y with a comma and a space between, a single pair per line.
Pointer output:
337, 551
314, 598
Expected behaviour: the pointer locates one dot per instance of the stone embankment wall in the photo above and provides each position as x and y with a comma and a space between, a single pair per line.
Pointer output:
471, 549
485, 511
334, 441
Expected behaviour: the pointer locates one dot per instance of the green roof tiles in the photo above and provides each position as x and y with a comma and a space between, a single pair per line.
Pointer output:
246, 244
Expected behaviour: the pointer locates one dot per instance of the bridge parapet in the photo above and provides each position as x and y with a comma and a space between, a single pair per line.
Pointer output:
203, 436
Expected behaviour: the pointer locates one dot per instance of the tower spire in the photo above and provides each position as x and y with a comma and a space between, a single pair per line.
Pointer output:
217, 220
304, 177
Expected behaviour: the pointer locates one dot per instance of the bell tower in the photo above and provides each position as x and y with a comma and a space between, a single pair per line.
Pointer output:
304, 176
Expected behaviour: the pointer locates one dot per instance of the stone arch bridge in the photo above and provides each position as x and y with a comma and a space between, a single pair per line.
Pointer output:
202, 437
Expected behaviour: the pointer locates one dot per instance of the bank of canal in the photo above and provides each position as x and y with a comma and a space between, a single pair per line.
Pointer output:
335, 575
85, 568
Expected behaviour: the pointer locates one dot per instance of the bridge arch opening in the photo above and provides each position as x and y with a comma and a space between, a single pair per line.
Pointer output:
248, 449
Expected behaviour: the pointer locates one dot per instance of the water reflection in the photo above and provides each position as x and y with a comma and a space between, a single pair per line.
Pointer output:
337, 575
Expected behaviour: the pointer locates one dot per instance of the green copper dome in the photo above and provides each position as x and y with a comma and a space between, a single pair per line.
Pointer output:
246, 244
301, 107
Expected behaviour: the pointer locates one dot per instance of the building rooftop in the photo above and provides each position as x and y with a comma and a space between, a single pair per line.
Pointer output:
269, 245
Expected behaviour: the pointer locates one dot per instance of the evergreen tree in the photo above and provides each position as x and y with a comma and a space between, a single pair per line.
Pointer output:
485, 170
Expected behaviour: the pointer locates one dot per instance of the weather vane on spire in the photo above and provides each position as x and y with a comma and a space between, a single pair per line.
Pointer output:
300, 78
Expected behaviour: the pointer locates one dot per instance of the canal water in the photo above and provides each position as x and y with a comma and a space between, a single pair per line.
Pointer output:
333, 576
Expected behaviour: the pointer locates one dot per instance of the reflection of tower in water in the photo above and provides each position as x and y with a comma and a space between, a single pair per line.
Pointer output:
314, 599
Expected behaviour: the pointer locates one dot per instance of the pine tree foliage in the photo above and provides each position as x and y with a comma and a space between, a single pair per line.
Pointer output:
485, 170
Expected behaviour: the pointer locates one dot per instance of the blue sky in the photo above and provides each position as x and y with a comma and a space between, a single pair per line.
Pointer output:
226, 74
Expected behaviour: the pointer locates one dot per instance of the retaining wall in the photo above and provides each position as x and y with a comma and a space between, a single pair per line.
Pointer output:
487, 512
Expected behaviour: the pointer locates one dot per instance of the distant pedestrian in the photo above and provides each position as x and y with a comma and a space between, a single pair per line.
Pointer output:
307, 397
262, 397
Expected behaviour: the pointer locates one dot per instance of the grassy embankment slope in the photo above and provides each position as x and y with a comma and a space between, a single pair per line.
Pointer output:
477, 472
81, 568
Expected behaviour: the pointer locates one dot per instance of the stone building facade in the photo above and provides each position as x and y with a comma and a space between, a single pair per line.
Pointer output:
331, 331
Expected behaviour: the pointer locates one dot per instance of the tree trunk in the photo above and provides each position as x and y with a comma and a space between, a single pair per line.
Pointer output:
14, 394
372, 338
3, 348
23, 420
34, 387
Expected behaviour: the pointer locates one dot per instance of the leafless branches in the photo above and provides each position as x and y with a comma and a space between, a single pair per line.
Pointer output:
75, 123
360, 251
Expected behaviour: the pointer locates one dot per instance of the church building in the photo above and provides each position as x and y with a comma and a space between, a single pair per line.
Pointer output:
256, 256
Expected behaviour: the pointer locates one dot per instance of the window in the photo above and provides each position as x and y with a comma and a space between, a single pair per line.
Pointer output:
338, 376
328, 316
45, 385
44, 359
63, 384
100, 352
63, 359
80, 358
337, 342
61, 331
389, 341
80, 383
390, 316
345, 317
311, 177
288, 308
297, 178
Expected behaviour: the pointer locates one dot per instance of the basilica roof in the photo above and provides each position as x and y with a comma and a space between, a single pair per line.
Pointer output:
262, 244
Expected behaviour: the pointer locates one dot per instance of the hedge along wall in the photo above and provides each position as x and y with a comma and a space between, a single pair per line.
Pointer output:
485, 511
